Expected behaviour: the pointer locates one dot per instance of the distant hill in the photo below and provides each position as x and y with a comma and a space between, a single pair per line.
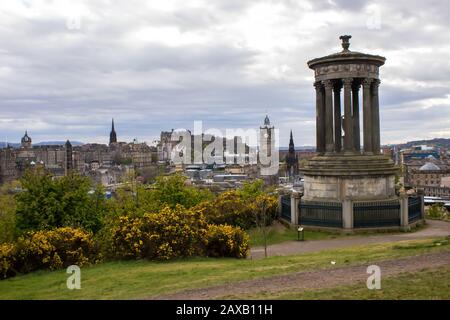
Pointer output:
302, 148
42, 143
14, 145
57, 143
441, 142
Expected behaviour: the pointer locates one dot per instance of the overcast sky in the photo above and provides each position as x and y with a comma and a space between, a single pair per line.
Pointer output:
68, 67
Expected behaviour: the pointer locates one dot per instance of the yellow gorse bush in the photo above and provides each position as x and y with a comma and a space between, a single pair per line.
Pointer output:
7, 260
226, 241
232, 209
47, 249
168, 234
177, 232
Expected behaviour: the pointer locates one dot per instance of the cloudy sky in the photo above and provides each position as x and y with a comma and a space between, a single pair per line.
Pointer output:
68, 67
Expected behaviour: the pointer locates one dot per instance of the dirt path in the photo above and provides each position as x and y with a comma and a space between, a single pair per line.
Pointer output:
315, 279
434, 228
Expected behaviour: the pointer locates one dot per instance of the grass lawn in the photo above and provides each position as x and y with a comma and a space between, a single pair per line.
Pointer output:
277, 233
144, 279
424, 285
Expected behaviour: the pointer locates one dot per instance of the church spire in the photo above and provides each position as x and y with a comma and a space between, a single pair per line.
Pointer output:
113, 134
291, 144
291, 159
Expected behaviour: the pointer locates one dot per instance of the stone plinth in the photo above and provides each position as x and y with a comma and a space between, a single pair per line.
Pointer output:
323, 188
352, 176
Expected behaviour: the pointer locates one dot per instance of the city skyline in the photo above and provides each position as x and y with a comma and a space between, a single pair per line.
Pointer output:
154, 67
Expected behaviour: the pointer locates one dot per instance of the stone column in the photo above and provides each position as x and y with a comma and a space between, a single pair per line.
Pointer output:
355, 113
295, 210
347, 214
375, 118
348, 125
367, 116
320, 118
403, 198
337, 117
329, 135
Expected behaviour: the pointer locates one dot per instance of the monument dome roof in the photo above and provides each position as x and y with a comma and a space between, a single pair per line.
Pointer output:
429, 166
346, 56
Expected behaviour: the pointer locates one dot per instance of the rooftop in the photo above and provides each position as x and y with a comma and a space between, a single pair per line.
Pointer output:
429, 166
346, 56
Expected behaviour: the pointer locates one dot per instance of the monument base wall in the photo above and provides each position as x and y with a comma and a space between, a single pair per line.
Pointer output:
354, 188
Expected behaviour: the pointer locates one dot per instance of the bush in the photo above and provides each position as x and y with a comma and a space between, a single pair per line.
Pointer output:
228, 208
47, 250
7, 218
232, 209
47, 203
168, 234
265, 208
167, 191
226, 241
127, 237
174, 233
437, 211
172, 191
7, 260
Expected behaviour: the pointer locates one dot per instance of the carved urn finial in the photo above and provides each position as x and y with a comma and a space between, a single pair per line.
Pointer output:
345, 42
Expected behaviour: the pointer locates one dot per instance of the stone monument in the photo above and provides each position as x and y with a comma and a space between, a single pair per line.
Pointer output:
347, 185
342, 168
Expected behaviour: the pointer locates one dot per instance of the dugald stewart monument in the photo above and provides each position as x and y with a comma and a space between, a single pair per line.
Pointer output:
348, 185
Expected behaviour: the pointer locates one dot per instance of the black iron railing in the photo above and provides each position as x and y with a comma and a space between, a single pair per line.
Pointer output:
414, 209
321, 214
373, 214
286, 207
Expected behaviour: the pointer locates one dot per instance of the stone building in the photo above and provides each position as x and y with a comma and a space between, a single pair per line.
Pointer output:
8, 166
418, 171
84, 159
165, 146
268, 161
266, 134
26, 141
68, 165
14, 161
427, 175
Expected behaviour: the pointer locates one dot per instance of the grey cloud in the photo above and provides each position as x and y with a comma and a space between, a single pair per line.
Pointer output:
69, 84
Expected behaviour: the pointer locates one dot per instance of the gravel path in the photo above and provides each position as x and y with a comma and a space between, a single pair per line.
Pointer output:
434, 228
336, 276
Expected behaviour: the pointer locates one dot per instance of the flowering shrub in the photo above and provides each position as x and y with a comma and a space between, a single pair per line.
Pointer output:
170, 233
127, 237
7, 260
52, 249
175, 233
437, 211
231, 208
226, 241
